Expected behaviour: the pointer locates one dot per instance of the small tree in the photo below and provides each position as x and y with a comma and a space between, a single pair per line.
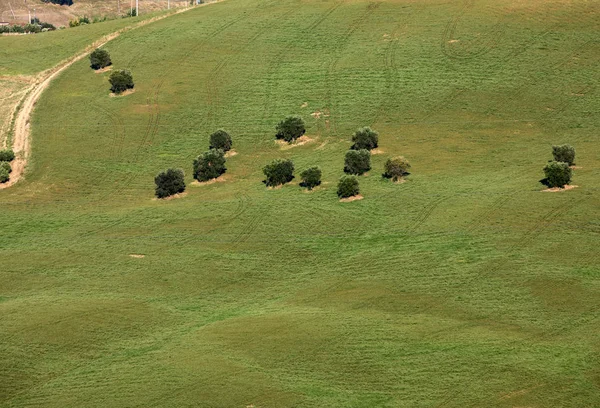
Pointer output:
311, 177
396, 168
290, 129
220, 140
120, 80
278, 172
209, 165
169, 182
564, 153
365, 138
357, 162
558, 174
4, 175
348, 187
6, 166
7, 155
99, 59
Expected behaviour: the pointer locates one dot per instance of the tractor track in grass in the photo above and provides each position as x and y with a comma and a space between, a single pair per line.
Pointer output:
21, 139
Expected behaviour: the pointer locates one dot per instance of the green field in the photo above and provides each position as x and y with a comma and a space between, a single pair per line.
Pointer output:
466, 286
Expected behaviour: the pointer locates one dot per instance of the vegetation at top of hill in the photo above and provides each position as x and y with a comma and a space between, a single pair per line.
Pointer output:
465, 287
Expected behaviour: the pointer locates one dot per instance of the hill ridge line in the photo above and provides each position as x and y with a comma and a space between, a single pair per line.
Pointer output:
21, 143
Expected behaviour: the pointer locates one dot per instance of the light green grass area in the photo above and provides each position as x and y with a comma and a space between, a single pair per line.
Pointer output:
466, 286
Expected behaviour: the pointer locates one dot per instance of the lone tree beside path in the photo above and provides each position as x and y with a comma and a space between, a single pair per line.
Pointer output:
120, 81
99, 59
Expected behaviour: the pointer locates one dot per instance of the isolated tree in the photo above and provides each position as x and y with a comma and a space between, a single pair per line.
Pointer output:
209, 165
6, 166
278, 172
120, 81
564, 153
348, 187
4, 175
220, 140
365, 138
7, 155
290, 129
558, 174
311, 177
99, 59
357, 162
169, 182
396, 168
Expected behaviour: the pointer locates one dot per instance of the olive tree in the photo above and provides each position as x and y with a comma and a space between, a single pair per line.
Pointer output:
4, 175
99, 59
209, 165
564, 153
6, 166
7, 155
120, 81
348, 187
357, 162
169, 182
558, 174
290, 129
396, 168
365, 138
311, 177
220, 140
278, 172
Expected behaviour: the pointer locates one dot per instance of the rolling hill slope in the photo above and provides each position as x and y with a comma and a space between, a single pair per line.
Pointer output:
466, 286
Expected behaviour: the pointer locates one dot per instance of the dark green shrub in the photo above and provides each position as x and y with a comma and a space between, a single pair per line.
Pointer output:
4, 29
357, 162
32, 28
311, 177
84, 20
220, 140
131, 13
290, 129
48, 26
120, 81
17, 29
564, 153
169, 182
60, 2
7, 155
396, 167
278, 172
6, 166
99, 59
558, 174
209, 165
4, 175
365, 138
348, 187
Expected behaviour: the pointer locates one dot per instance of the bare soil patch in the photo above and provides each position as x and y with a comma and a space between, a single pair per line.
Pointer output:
304, 105
302, 140
173, 197
377, 151
350, 199
101, 70
575, 167
137, 255
231, 153
219, 179
557, 189
127, 92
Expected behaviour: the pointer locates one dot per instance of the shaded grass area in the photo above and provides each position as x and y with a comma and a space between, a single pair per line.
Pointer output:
464, 286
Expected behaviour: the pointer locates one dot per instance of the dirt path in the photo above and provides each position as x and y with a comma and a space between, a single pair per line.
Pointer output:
21, 139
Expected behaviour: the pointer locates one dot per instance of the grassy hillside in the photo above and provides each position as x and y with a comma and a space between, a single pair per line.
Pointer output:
466, 286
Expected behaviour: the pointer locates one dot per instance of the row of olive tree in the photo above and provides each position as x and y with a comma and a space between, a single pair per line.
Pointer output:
558, 172
6, 156
207, 166
120, 80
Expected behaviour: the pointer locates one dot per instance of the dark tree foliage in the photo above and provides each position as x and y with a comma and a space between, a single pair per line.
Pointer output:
311, 177
396, 167
348, 187
290, 129
60, 2
6, 166
357, 162
221, 140
4, 175
169, 182
564, 153
558, 174
7, 155
99, 59
278, 172
209, 165
120, 81
365, 138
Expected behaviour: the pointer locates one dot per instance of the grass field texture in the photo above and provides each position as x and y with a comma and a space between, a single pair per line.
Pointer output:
465, 286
